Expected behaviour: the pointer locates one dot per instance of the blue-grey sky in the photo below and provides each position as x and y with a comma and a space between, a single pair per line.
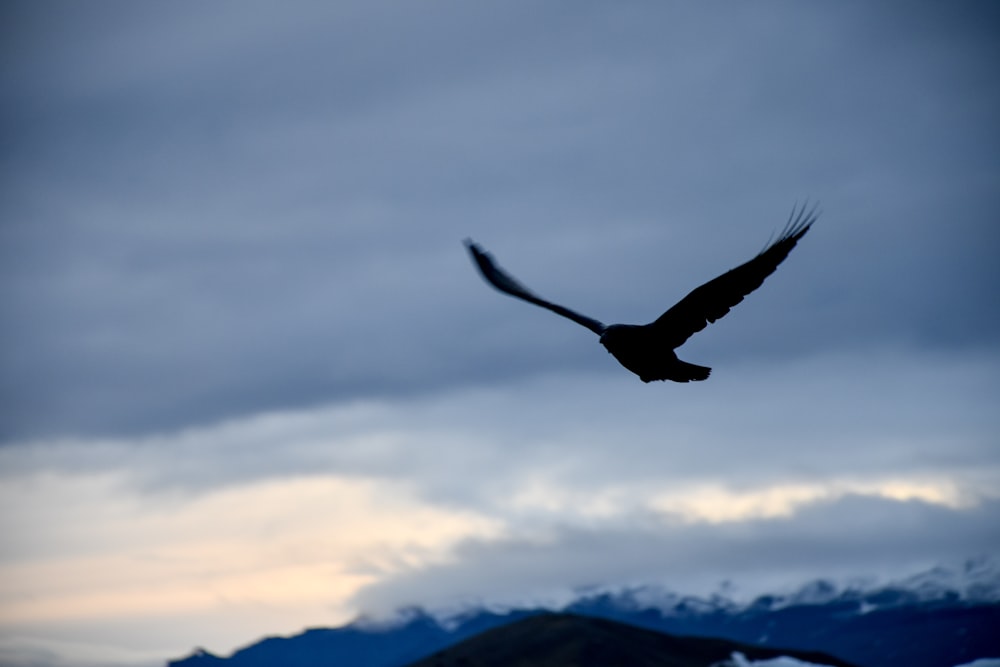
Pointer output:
251, 382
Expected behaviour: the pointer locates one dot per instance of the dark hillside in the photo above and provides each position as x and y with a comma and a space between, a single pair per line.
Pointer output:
568, 640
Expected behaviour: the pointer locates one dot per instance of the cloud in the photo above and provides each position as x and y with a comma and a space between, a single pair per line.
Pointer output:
386, 502
255, 222
837, 539
824, 419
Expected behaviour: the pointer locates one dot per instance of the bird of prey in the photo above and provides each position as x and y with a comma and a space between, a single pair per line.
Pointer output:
648, 349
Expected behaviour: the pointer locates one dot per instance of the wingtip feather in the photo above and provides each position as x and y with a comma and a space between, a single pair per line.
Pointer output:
798, 223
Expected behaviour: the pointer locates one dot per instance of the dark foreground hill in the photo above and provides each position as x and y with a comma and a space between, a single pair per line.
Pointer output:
569, 640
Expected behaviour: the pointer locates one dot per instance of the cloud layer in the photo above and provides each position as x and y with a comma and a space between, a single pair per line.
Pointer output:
256, 221
503, 496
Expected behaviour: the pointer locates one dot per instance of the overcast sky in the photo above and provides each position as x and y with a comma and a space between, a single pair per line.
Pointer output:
250, 382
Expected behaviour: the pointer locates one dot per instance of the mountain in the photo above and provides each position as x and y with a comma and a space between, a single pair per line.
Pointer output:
359, 644
569, 640
940, 618
886, 628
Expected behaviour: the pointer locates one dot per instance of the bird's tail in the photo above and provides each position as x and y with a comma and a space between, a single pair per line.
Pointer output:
687, 372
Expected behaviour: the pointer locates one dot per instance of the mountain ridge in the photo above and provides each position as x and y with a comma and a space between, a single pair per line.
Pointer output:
939, 618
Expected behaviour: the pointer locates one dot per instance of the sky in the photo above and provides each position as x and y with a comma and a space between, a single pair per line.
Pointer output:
250, 381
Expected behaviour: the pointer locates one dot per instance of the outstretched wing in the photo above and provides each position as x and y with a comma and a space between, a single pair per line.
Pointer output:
507, 284
712, 300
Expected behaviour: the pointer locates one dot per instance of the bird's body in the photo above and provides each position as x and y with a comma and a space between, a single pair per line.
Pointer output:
648, 349
639, 349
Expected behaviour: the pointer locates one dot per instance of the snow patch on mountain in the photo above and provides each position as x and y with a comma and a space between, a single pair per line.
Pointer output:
740, 660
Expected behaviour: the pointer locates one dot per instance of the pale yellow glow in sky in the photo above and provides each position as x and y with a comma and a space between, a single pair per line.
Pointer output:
715, 503
710, 502
294, 542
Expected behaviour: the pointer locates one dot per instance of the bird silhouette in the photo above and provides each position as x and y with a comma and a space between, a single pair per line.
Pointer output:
648, 349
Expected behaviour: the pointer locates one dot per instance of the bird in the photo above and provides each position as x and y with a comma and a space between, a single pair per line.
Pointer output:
648, 350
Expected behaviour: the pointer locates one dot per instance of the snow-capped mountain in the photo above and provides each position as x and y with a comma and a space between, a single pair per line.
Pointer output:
973, 581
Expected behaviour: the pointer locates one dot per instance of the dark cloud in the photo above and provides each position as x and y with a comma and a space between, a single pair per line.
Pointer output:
214, 211
553, 446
